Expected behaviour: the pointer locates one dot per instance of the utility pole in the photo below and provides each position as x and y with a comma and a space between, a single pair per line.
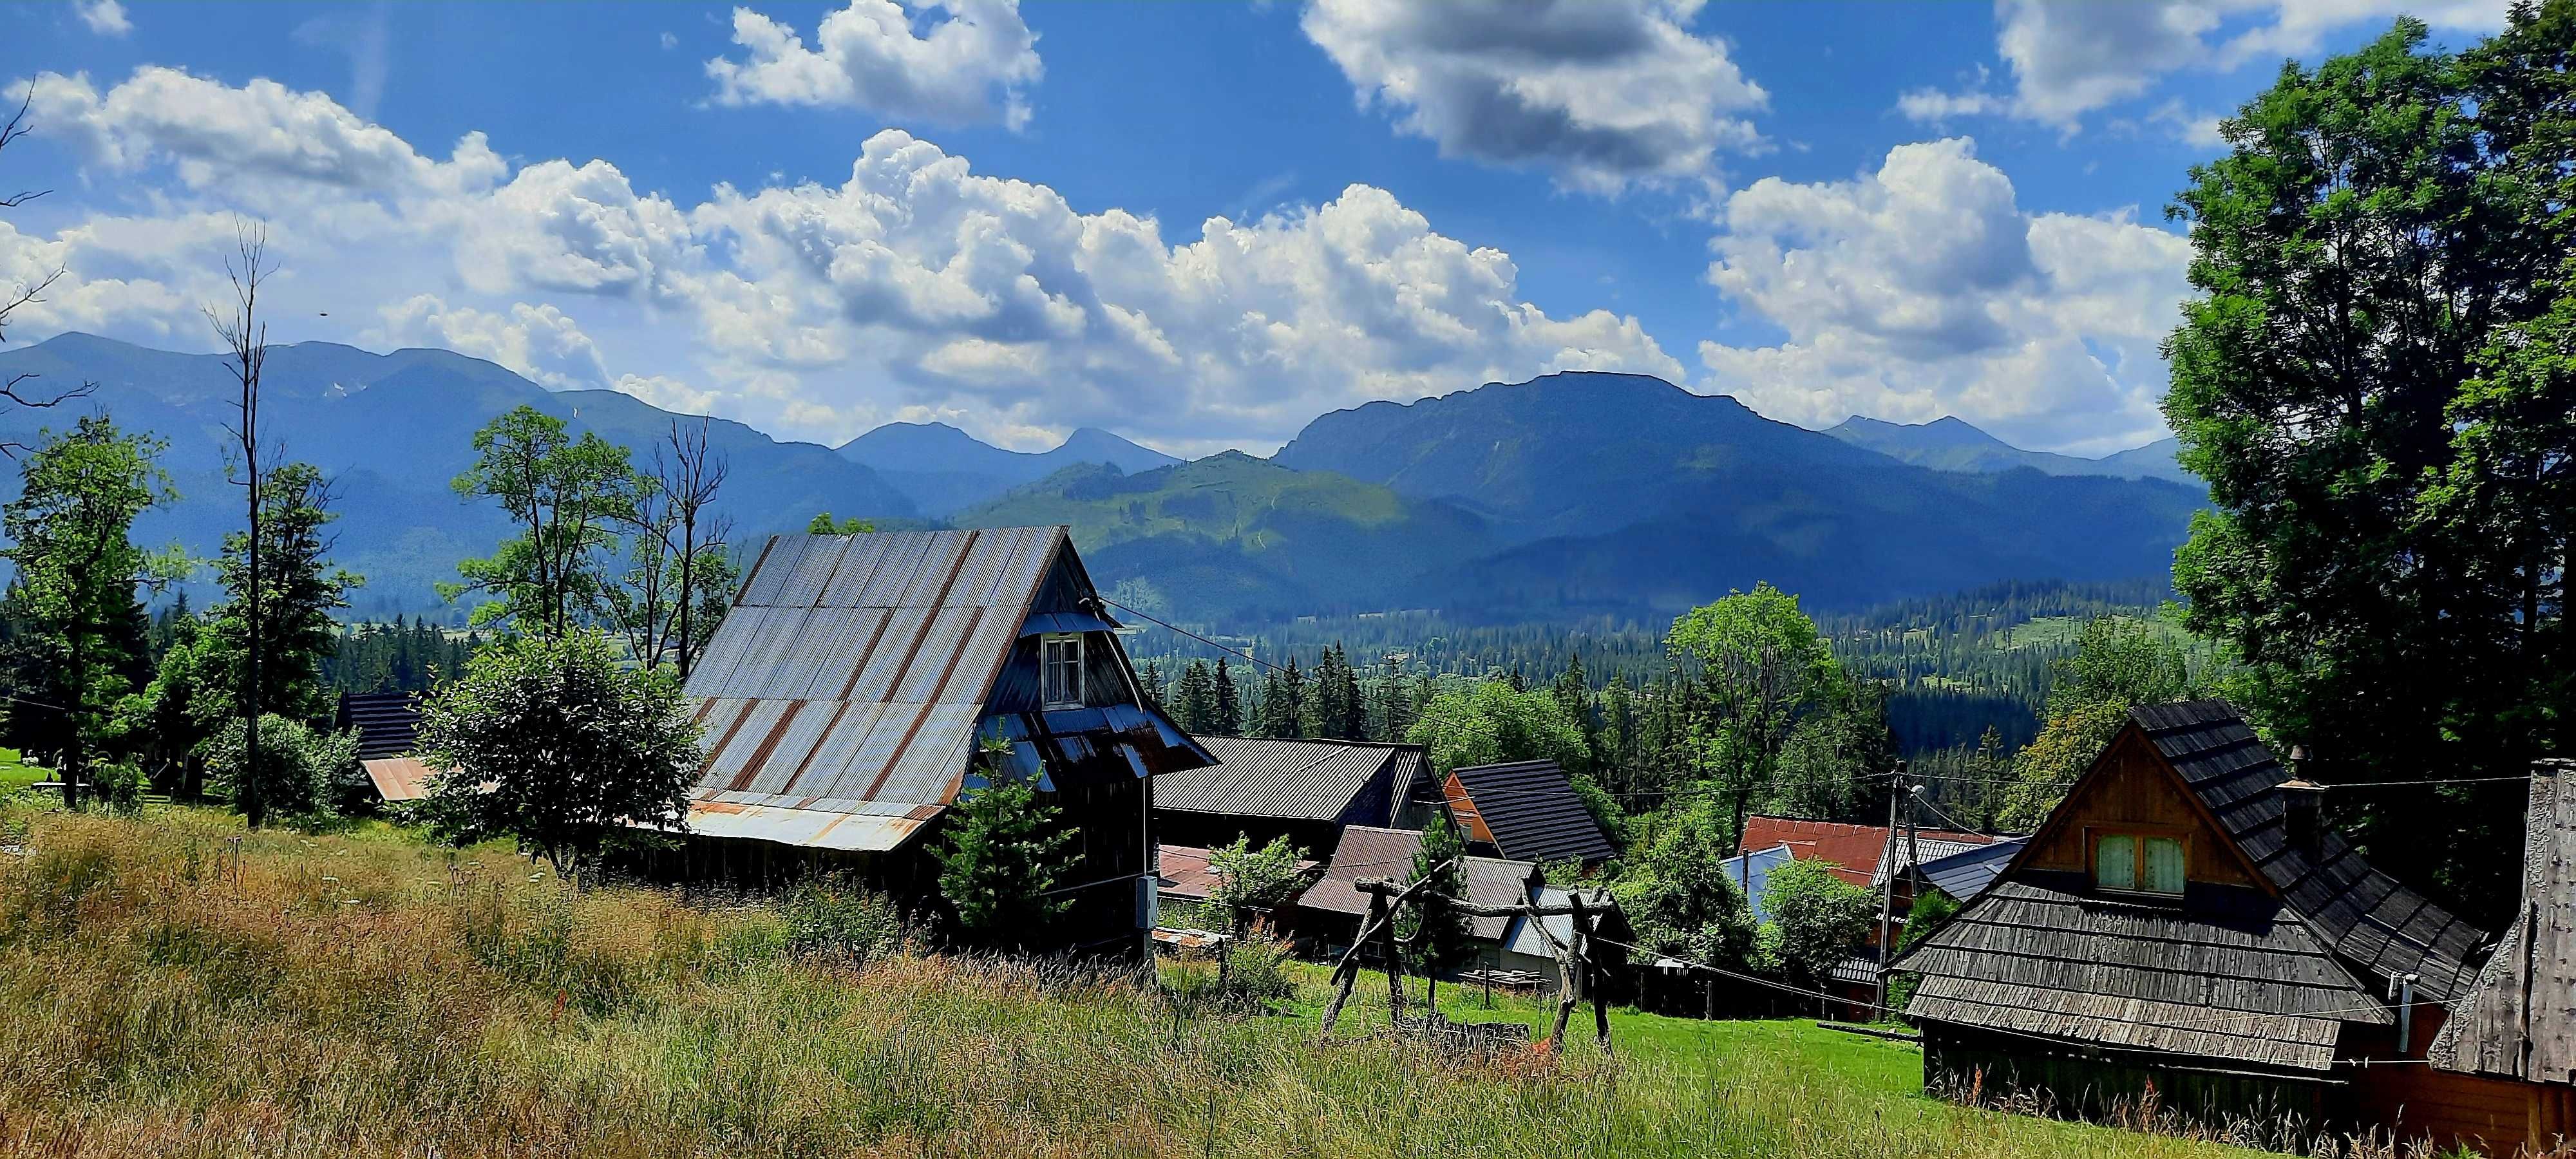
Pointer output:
1887, 885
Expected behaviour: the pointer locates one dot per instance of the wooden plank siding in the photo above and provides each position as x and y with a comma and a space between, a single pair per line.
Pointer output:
2130, 793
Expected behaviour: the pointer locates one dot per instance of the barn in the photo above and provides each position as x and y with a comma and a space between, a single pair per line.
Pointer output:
2185, 922
847, 693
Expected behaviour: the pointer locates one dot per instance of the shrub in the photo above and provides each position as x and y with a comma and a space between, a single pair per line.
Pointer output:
304, 772
834, 916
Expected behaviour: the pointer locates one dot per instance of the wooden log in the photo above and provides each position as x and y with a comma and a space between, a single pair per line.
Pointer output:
1585, 942
1381, 913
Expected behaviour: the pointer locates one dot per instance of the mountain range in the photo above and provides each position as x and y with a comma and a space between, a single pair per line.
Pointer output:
1950, 444
1573, 494
942, 469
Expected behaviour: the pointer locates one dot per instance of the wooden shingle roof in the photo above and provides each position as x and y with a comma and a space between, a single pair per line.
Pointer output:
2519, 1018
2265, 975
2364, 915
1532, 812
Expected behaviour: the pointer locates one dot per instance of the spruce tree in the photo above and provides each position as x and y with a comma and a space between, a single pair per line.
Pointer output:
1440, 936
1283, 702
1004, 854
1194, 700
1227, 703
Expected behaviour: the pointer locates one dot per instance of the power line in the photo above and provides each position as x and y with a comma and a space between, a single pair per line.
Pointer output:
1149, 617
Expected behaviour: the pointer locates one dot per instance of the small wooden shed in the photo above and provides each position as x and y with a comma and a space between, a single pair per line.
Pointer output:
2185, 924
2513, 1039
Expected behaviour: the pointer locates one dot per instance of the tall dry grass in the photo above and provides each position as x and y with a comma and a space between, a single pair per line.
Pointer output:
338, 997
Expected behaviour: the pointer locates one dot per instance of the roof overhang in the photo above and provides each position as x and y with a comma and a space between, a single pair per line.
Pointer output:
873, 831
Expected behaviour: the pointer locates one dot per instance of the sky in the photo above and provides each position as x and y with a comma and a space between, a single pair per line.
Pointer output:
1197, 225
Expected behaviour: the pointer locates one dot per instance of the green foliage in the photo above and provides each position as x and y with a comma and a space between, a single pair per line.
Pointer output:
824, 524
1490, 722
2119, 664
1760, 665
404, 655
1333, 708
1815, 920
304, 773
836, 916
1437, 935
1283, 701
1225, 705
1254, 879
1193, 702
1677, 894
566, 497
77, 626
1930, 910
1004, 851
550, 740
2374, 382
299, 591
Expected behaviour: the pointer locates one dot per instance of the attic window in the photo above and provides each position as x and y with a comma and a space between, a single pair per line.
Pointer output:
2138, 863
1060, 670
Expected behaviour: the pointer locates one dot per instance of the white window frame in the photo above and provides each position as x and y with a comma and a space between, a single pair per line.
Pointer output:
1050, 650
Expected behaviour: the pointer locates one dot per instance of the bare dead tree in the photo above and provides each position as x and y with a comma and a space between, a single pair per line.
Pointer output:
695, 474
245, 337
16, 388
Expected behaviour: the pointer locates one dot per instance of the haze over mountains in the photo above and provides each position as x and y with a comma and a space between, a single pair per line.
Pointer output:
1573, 494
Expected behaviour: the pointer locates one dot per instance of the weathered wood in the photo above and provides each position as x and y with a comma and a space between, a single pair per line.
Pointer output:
1381, 912
1585, 943
1374, 885
1871, 1031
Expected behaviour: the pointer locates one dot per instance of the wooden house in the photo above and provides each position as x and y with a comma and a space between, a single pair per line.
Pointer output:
1307, 791
1524, 811
2185, 923
847, 695
2511, 1043
387, 723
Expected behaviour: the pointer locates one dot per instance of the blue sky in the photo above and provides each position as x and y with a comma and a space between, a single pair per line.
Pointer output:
820, 217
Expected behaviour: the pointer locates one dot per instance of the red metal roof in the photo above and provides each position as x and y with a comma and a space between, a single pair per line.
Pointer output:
1854, 849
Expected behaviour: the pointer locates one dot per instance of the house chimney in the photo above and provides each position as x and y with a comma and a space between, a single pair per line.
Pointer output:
2299, 823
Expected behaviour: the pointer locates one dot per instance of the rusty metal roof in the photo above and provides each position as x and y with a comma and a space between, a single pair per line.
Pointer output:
841, 694
399, 778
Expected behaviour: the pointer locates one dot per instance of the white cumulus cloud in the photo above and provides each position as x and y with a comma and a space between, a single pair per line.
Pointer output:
916, 286
104, 17
1601, 93
2069, 60
1922, 289
973, 63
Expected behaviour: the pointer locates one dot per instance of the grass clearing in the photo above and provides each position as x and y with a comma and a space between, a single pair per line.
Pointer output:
17, 774
367, 995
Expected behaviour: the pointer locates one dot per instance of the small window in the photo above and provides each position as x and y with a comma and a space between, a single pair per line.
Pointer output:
2115, 862
1060, 670
2135, 863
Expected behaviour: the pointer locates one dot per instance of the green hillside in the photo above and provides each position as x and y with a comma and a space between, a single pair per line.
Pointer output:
1233, 536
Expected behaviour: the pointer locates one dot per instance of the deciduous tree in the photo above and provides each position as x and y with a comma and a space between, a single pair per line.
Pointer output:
1760, 665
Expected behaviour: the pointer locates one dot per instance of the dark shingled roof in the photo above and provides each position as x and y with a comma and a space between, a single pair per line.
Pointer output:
386, 722
2363, 915
1533, 813
2516, 1021
1316, 780
2234, 973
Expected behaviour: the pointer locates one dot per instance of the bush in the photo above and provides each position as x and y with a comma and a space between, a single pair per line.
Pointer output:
304, 772
1256, 973
119, 786
834, 916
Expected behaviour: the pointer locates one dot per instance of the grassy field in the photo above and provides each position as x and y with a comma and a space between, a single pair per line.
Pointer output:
368, 995
16, 773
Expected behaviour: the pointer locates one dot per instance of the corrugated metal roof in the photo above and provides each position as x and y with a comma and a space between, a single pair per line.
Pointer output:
1185, 874
1365, 851
1497, 881
841, 695
1532, 812
399, 778
1855, 850
1317, 780
1968, 872
1751, 873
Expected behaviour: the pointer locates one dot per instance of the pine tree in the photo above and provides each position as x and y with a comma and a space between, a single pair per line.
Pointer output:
1227, 705
1283, 702
1194, 700
1002, 857
1440, 935
1149, 680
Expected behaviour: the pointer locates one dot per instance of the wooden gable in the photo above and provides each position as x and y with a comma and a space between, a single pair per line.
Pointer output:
2131, 788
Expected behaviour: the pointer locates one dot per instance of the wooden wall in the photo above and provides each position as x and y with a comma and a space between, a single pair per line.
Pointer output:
2494, 1116
2136, 792
2089, 1085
